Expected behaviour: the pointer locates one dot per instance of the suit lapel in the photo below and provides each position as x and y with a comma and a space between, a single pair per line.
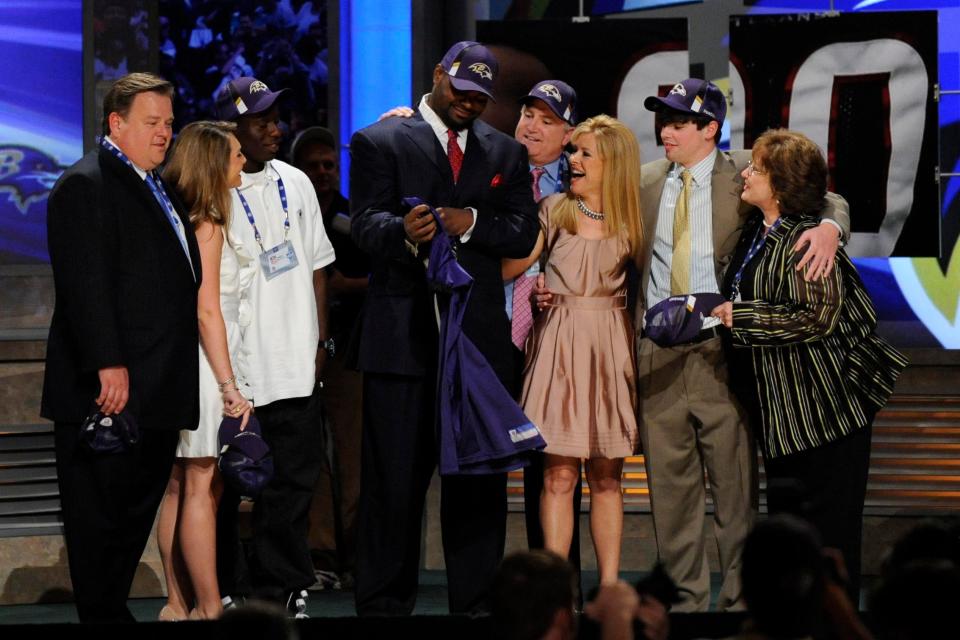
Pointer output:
473, 172
650, 210
725, 189
138, 186
192, 245
422, 135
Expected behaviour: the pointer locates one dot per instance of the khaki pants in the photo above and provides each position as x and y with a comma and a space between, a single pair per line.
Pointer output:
691, 423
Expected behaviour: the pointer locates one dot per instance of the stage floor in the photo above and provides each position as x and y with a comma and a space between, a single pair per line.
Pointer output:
431, 600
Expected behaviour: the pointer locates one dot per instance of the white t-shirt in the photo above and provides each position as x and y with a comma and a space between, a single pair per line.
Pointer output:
280, 337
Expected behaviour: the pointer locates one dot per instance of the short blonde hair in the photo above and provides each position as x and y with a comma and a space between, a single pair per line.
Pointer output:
619, 150
198, 169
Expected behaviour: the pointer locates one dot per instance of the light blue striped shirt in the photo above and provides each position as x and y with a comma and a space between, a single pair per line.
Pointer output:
703, 275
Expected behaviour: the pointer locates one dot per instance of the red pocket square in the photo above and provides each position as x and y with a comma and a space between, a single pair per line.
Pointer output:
497, 179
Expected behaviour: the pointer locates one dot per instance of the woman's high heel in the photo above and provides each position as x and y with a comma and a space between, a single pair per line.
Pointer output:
167, 614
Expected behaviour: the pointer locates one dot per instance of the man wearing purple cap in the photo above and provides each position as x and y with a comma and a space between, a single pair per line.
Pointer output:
479, 181
275, 222
690, 420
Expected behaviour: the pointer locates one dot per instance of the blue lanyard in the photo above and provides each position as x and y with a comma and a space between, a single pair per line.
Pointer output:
156, 188
253, 222
759, 239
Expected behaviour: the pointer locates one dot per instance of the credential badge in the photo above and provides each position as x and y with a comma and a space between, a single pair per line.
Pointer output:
482, 70
550, 90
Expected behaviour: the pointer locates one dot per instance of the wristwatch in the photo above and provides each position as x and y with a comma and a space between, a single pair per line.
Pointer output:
330, 346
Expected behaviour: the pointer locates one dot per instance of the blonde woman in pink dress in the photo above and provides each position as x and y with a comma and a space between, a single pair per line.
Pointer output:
579, 379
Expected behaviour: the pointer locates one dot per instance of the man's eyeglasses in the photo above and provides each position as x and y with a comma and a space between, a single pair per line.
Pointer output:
753, 171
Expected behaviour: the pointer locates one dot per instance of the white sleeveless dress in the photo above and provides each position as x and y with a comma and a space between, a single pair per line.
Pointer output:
236, 274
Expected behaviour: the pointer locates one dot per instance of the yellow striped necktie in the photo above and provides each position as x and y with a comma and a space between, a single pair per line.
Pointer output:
680, 265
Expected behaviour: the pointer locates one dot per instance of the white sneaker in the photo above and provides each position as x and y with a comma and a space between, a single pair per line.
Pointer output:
297, 604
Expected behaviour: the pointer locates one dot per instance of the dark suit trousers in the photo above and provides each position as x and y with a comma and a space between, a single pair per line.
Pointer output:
109, 502
280, 560
398, 459
827, 486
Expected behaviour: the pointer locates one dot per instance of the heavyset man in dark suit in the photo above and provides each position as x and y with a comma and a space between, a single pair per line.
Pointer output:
124, 334
479, 179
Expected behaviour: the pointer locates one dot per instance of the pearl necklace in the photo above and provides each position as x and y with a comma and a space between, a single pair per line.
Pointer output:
590, 213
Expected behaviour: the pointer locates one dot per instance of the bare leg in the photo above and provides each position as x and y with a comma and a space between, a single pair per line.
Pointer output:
179, 591
197, 532
606, 514
556, 502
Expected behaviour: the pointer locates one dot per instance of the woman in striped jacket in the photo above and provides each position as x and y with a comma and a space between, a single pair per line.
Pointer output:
812, 371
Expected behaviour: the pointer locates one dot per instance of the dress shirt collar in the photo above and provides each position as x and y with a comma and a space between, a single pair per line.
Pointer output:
551, 169
140, 172
439, 128
267, 175
700, 172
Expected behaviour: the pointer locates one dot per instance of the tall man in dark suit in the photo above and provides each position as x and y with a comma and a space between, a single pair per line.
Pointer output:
124, 335
479, 179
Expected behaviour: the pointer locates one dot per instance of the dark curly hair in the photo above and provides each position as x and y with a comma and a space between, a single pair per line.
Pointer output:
796, 169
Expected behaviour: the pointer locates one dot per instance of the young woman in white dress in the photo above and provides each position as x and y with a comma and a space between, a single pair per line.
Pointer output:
204, 165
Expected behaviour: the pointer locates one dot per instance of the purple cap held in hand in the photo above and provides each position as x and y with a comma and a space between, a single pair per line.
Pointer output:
693, 97
678, 319
471, 67
245, 460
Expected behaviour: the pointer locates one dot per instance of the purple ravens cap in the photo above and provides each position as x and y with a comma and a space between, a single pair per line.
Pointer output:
102, 433
691, 96
245, 96
559, 96
245, 460
678, 319
471, 67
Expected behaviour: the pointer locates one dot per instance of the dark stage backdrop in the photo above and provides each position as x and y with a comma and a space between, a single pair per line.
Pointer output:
612, 64
862, 87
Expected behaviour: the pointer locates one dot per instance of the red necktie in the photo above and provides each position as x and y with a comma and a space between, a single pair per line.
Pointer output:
522, 319
535, 174
454, 153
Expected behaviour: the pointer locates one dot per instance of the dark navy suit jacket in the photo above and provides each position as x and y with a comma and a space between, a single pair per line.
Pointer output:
125, 295
401, 157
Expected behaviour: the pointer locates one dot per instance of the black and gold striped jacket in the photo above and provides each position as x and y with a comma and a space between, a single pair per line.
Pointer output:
821, 369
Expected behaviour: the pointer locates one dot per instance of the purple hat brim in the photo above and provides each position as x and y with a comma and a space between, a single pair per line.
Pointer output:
264, 103
462, 84
527, 99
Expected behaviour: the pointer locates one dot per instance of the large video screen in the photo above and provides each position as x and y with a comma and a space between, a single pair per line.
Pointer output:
41, 117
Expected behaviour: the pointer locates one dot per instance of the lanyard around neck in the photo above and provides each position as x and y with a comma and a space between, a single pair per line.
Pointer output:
759, 239
252, 220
